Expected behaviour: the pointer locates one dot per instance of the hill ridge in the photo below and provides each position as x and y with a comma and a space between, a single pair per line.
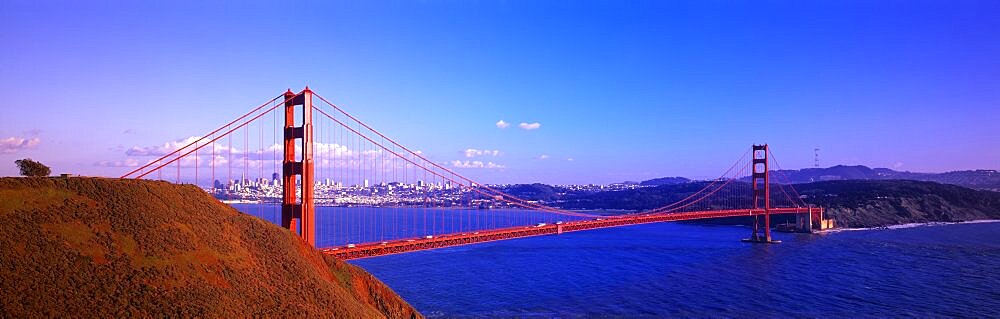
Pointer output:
112, 248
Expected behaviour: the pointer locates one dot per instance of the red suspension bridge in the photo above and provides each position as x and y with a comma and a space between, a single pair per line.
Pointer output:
303, 162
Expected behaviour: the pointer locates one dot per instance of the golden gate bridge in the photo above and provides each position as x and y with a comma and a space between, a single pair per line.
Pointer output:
396, 200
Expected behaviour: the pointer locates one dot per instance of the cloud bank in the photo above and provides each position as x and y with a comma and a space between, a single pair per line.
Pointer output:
471, 152
475, 164
268, 156
14, 144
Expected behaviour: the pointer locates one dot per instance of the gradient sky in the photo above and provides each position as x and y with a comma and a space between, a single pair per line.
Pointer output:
629, 90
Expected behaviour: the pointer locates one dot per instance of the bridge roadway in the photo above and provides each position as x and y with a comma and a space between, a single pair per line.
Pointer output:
482, 236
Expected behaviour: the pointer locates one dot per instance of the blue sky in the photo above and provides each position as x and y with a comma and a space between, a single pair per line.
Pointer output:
628, 90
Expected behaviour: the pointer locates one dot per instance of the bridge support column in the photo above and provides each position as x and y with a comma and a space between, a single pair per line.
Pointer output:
804, 221
761, 192
296, 213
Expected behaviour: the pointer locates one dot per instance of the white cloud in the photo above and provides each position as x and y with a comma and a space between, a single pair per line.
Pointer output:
570, 159
476, 164
162, 149
261, 152
13, 144
542, 157
530, 126
264, 156
128, 162
502, 124
471, 152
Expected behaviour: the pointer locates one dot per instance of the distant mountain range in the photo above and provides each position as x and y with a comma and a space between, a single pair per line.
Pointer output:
856, 196
983, 179
976, 179
855, 202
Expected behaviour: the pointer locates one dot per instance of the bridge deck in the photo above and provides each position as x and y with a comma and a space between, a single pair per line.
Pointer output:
458, 239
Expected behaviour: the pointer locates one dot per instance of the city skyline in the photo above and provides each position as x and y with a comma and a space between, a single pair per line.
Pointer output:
507, 93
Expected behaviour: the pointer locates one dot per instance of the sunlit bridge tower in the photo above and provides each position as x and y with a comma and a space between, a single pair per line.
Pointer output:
298, 212
761, 183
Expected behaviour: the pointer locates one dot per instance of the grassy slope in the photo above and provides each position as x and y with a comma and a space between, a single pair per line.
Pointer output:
109, 247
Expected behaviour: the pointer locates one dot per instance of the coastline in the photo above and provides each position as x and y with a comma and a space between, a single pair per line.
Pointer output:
912, 225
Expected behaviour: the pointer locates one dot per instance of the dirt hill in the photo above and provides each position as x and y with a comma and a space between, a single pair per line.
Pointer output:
97, 247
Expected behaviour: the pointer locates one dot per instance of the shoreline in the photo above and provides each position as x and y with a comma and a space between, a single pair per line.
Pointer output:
913, 225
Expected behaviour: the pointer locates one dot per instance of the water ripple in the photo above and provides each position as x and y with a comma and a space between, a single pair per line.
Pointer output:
683, 270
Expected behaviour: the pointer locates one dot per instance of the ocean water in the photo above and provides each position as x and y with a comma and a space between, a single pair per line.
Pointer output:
687, 270
683, 270
339, 226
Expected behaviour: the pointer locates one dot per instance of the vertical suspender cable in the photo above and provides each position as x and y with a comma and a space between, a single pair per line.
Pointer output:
229, 162
246, 153
196, 163
260, 169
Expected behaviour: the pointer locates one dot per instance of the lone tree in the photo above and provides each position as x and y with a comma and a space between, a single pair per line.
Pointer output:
32, 168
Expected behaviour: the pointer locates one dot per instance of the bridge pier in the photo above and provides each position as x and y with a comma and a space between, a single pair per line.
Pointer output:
817, 221
760, 238
804, 221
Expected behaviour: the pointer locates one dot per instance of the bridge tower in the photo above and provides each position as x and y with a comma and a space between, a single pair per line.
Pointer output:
297, 174
761, 181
